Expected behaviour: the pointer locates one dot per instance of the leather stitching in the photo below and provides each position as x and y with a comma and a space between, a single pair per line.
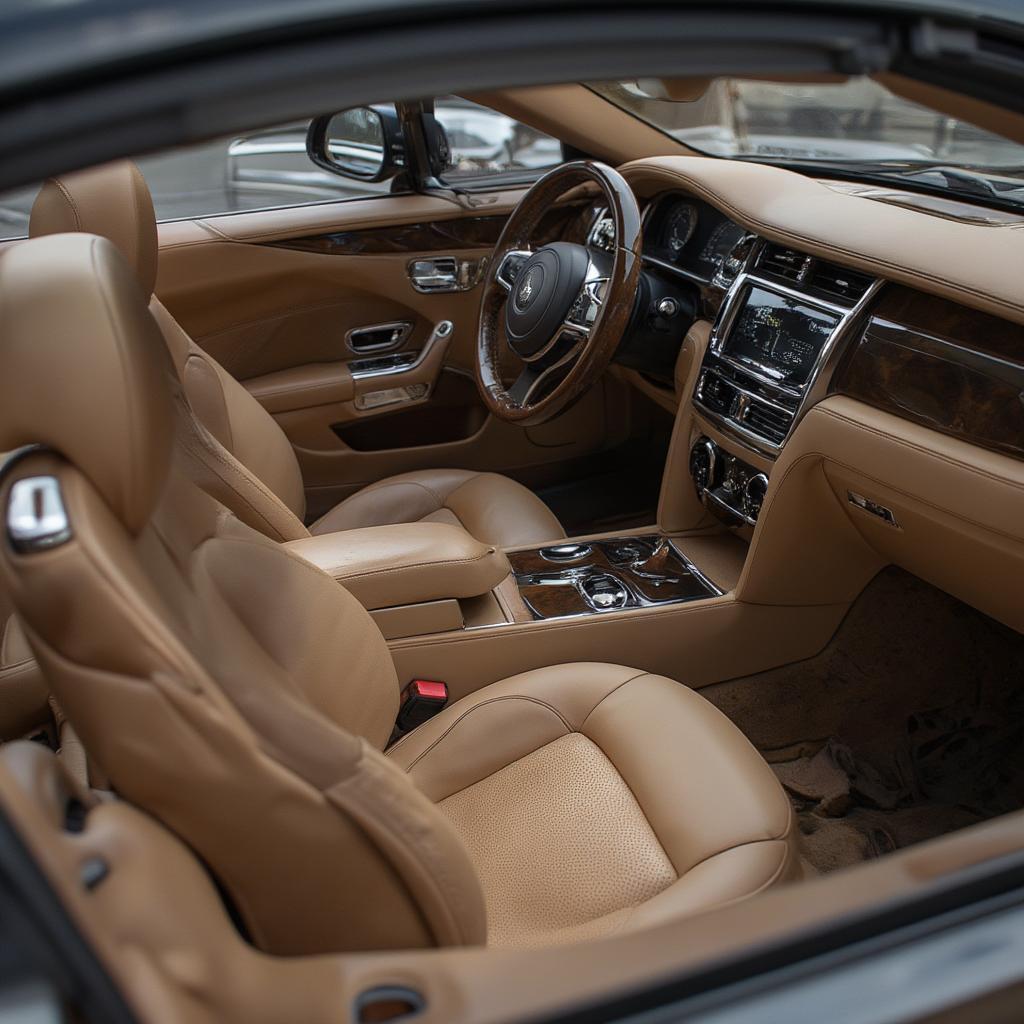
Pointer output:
702, 607
198, 444
469, 711
339, 574
384, 485
70, 201
824, 456
639, 675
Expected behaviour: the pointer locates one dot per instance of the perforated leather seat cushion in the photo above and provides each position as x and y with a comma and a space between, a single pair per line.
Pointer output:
594, 798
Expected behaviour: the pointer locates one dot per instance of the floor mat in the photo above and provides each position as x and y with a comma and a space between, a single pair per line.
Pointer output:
941, 780
909, 725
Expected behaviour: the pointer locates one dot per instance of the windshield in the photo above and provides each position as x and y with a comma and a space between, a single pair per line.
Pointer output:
857, 122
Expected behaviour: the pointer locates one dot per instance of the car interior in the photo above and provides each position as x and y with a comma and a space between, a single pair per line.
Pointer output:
414, 592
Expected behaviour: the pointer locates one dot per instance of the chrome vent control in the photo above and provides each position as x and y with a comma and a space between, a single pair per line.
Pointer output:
36, 518
728, 487
704, 464
754, 492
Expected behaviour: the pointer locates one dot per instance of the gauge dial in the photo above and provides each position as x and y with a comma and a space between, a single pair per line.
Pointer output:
679, 227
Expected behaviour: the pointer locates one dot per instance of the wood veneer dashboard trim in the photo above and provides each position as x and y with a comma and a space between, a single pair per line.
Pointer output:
441, 235
943, 366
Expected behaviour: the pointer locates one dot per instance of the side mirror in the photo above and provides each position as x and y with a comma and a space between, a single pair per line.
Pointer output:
365, 143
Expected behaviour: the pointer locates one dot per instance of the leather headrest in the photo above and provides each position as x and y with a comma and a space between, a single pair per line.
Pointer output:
84, 369
112, 200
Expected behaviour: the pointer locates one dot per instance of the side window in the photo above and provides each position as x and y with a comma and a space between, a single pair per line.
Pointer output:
256, 171
485, 143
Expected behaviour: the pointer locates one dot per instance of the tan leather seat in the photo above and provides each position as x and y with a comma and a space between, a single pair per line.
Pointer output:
261, 481
243, 697
595, 798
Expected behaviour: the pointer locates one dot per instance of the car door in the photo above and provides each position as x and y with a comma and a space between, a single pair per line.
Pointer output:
326, 301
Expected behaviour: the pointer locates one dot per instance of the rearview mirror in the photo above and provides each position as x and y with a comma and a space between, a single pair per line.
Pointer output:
363, 142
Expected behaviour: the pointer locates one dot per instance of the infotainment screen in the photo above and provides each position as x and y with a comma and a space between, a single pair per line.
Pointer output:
778, 336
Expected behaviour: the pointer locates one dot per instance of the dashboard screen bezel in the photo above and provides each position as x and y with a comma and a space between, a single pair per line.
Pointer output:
769, 371
736, 301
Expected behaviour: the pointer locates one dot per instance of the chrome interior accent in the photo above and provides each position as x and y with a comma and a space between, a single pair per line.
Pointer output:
510, 265
400, 362
727, 486
36, 517
753, 389
886, 515
445, 273
607, 575
378, 337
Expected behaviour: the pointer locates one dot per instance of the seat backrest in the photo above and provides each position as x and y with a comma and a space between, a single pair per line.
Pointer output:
230, 689
114, 201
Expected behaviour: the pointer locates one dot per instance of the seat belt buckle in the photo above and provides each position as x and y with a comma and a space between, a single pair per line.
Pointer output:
421, 700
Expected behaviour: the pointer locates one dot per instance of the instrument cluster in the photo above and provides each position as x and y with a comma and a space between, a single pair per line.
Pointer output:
685, 234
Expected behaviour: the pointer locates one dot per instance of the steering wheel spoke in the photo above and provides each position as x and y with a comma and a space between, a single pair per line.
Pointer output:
538, 377
511, 263
587, 305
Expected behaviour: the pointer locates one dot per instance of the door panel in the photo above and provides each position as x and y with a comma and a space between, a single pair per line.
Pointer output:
274, 296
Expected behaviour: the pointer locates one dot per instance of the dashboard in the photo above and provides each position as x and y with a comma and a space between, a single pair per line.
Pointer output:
789, 328
851, 392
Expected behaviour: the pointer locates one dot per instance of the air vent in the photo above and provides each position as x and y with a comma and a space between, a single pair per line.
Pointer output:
768, 422
834, 282
787, 263
716, 394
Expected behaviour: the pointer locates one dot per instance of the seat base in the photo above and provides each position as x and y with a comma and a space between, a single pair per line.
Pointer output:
595, 799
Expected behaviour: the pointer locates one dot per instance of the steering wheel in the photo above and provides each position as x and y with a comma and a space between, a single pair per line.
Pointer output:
559, 310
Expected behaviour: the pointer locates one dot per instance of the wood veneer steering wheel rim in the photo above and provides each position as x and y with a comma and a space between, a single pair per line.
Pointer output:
589, 360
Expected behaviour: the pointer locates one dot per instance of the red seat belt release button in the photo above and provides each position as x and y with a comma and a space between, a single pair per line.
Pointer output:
421, 700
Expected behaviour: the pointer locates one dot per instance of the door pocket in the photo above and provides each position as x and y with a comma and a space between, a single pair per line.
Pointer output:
454, 413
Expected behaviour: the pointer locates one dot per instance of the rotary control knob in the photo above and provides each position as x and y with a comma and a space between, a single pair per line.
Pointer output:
703, 464
753, 495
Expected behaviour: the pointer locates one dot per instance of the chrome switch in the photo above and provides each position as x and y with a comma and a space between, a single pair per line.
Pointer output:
565, 552
36, 519
605, 592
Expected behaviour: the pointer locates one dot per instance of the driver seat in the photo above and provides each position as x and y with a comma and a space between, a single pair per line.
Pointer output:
259, 476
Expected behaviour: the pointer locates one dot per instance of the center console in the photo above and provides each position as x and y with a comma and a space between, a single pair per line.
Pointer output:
609, 575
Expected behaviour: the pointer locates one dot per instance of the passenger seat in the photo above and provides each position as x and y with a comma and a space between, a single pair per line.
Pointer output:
243, 698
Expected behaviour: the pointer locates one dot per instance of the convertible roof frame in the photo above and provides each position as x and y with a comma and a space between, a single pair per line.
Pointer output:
121, 109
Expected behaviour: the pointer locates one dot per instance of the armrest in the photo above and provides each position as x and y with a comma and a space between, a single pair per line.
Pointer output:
409, 563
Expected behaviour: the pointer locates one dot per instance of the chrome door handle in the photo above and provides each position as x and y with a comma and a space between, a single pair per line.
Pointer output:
445, 274
378, 337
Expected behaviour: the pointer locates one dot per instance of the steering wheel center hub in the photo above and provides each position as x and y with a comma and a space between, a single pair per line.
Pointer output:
545, 288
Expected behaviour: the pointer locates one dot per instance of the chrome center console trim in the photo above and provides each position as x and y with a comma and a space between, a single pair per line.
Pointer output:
753, 387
